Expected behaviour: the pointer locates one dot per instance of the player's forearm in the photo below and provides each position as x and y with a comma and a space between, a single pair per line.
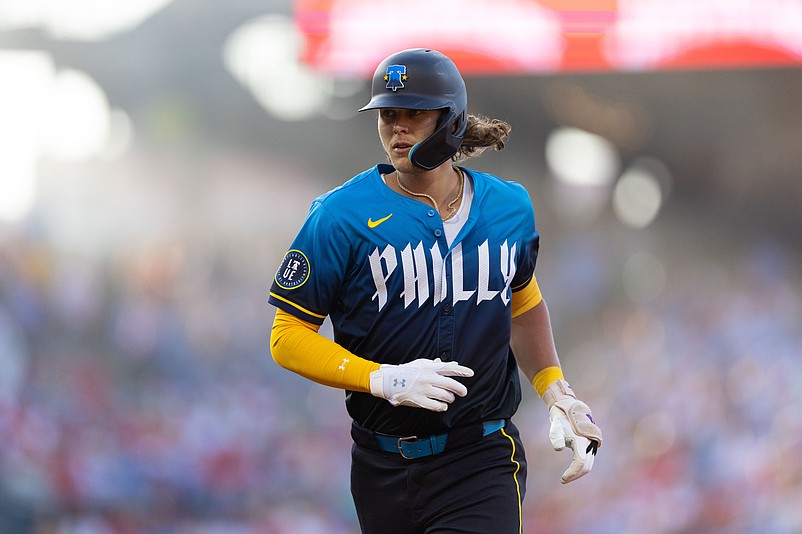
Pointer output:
532, 341
297, 346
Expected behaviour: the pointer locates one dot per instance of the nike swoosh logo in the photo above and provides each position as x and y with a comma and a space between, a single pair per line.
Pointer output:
374, 224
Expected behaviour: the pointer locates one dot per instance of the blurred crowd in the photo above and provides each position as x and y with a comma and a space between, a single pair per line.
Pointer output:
137, 395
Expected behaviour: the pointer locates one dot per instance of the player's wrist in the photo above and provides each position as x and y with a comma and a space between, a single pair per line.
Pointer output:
376, 383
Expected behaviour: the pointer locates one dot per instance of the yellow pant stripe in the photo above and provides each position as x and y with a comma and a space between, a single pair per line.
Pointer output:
515, 478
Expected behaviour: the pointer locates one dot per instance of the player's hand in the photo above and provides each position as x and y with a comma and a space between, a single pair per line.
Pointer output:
572, 426
422, 383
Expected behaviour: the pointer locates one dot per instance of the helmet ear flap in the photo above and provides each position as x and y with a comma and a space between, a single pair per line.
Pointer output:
443, 143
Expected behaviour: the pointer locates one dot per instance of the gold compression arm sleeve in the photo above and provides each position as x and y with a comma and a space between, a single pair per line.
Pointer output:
527, 298
297, 346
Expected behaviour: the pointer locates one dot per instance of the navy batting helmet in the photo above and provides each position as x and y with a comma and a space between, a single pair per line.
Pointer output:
421, 78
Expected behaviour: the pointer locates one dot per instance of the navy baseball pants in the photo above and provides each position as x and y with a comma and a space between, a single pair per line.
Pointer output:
475, 488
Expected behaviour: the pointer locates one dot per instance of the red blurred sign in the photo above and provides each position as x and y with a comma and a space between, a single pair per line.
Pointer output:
350, 37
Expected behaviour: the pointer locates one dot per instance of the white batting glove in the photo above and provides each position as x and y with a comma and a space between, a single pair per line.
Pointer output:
422, 383
572, 426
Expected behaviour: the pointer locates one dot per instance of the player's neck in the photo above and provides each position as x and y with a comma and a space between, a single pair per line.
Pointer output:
437, 182
441, 187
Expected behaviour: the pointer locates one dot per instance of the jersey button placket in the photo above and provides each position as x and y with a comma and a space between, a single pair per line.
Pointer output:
447, 322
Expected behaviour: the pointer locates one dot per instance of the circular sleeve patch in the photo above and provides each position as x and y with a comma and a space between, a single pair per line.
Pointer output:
294, 270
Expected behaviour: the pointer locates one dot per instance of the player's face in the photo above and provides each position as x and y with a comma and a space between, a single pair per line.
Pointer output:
400, 129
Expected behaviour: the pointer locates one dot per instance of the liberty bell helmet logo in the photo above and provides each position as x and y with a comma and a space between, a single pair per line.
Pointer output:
395, 76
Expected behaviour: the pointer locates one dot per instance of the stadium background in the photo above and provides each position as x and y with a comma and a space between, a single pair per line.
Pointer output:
157, 157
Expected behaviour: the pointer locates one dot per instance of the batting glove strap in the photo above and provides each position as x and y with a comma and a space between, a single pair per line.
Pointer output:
559, 395
557, 390
579, 418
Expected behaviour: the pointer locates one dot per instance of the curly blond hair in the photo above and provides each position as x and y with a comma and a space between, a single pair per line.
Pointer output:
482, 133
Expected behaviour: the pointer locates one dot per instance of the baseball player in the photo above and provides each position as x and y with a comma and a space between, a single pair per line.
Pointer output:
426, 269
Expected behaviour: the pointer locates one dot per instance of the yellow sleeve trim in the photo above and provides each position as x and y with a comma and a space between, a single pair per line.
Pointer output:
527, 298
297, 346
282, 299
545, 377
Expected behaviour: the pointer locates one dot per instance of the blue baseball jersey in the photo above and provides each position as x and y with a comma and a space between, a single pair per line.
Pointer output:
378, 264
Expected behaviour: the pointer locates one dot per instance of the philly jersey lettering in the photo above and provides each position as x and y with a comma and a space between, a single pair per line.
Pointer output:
416, 265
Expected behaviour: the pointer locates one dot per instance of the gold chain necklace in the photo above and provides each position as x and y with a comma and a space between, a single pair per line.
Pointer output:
452, 210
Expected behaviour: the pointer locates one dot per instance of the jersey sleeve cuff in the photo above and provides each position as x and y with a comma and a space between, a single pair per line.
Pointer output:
294, 309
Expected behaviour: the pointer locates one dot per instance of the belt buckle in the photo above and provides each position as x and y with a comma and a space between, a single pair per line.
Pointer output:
401, 451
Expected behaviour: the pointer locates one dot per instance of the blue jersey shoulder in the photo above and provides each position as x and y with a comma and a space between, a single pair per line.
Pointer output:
500, 186
502, 200
360, 185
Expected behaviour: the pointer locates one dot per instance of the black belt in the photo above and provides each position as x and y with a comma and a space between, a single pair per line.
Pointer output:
411, 447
